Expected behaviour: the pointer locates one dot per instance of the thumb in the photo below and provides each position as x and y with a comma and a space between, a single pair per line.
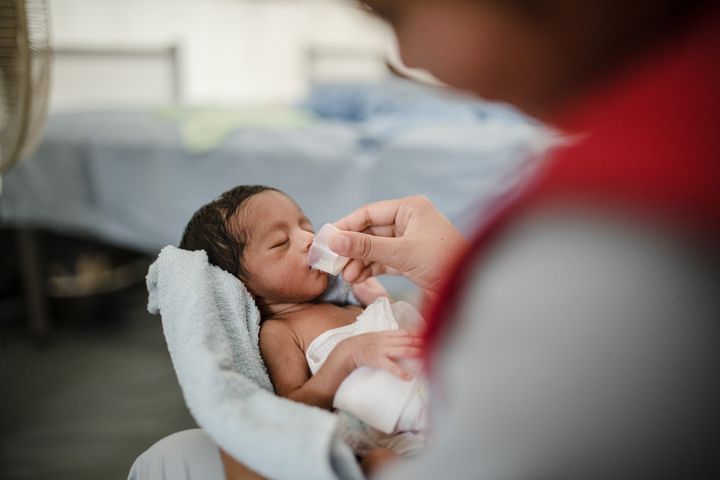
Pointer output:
371, 248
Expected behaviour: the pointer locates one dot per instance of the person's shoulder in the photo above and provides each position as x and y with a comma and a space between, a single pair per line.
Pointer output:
592, 228
590, 255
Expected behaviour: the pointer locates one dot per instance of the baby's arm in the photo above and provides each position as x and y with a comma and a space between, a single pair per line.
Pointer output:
290, 374
369, 290
283, 358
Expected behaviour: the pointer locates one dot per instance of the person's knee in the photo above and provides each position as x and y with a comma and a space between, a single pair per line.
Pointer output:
186, 455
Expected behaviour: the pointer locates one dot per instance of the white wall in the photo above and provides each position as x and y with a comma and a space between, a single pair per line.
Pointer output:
231, 51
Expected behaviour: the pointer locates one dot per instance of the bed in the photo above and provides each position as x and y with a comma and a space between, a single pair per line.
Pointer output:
134, 178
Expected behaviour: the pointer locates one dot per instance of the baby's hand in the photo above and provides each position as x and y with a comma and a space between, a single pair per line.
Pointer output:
369, 290
382, 350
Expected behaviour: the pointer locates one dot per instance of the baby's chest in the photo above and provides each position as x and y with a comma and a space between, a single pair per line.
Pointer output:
326, 320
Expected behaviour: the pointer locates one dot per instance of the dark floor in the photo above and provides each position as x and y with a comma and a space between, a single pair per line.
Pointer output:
86, 405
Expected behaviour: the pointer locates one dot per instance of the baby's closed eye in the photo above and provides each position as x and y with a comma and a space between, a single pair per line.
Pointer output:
280, 243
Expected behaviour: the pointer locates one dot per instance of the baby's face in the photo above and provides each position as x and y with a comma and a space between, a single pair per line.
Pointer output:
275, 255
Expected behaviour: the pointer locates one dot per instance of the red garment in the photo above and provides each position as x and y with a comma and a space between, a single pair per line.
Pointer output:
649, 145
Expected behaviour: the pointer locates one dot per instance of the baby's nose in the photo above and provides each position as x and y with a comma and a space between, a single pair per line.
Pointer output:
307, 241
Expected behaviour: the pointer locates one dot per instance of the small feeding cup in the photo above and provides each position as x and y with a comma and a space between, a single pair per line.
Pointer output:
321, 257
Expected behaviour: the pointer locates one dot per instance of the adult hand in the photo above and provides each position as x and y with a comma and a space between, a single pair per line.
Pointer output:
406, 236
369, 290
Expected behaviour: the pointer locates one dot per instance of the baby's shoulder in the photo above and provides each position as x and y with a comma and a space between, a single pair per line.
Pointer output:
275, 327
330, 311
323, 316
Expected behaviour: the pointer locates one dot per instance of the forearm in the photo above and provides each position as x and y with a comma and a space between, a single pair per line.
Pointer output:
320, 389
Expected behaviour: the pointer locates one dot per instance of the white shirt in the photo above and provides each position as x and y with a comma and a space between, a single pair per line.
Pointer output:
586, 346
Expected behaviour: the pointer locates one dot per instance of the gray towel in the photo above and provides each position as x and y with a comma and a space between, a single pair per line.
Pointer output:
211, 326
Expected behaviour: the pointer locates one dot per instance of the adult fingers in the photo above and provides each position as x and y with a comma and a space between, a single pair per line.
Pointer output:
374, 214
381, 231
383, 250
372, 270
364, 274
352, 271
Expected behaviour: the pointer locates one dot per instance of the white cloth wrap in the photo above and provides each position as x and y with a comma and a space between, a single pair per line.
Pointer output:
211, 325
374, 395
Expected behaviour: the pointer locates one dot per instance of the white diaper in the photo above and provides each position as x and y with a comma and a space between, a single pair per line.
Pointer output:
374, 395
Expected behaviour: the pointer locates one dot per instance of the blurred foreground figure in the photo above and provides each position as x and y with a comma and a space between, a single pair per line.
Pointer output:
578, 337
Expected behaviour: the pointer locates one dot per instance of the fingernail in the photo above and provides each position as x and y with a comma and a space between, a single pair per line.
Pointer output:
339, 243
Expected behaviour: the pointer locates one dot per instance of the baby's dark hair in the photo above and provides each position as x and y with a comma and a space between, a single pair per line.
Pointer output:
208, 229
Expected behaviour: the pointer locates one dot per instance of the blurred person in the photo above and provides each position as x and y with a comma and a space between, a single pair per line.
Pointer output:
575, 335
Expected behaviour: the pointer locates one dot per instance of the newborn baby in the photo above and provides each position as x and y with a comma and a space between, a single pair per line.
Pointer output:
314, 350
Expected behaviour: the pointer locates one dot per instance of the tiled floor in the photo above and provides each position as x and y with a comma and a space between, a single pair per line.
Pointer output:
87, 405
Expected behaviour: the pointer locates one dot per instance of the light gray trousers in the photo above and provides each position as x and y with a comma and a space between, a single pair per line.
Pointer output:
186, 455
